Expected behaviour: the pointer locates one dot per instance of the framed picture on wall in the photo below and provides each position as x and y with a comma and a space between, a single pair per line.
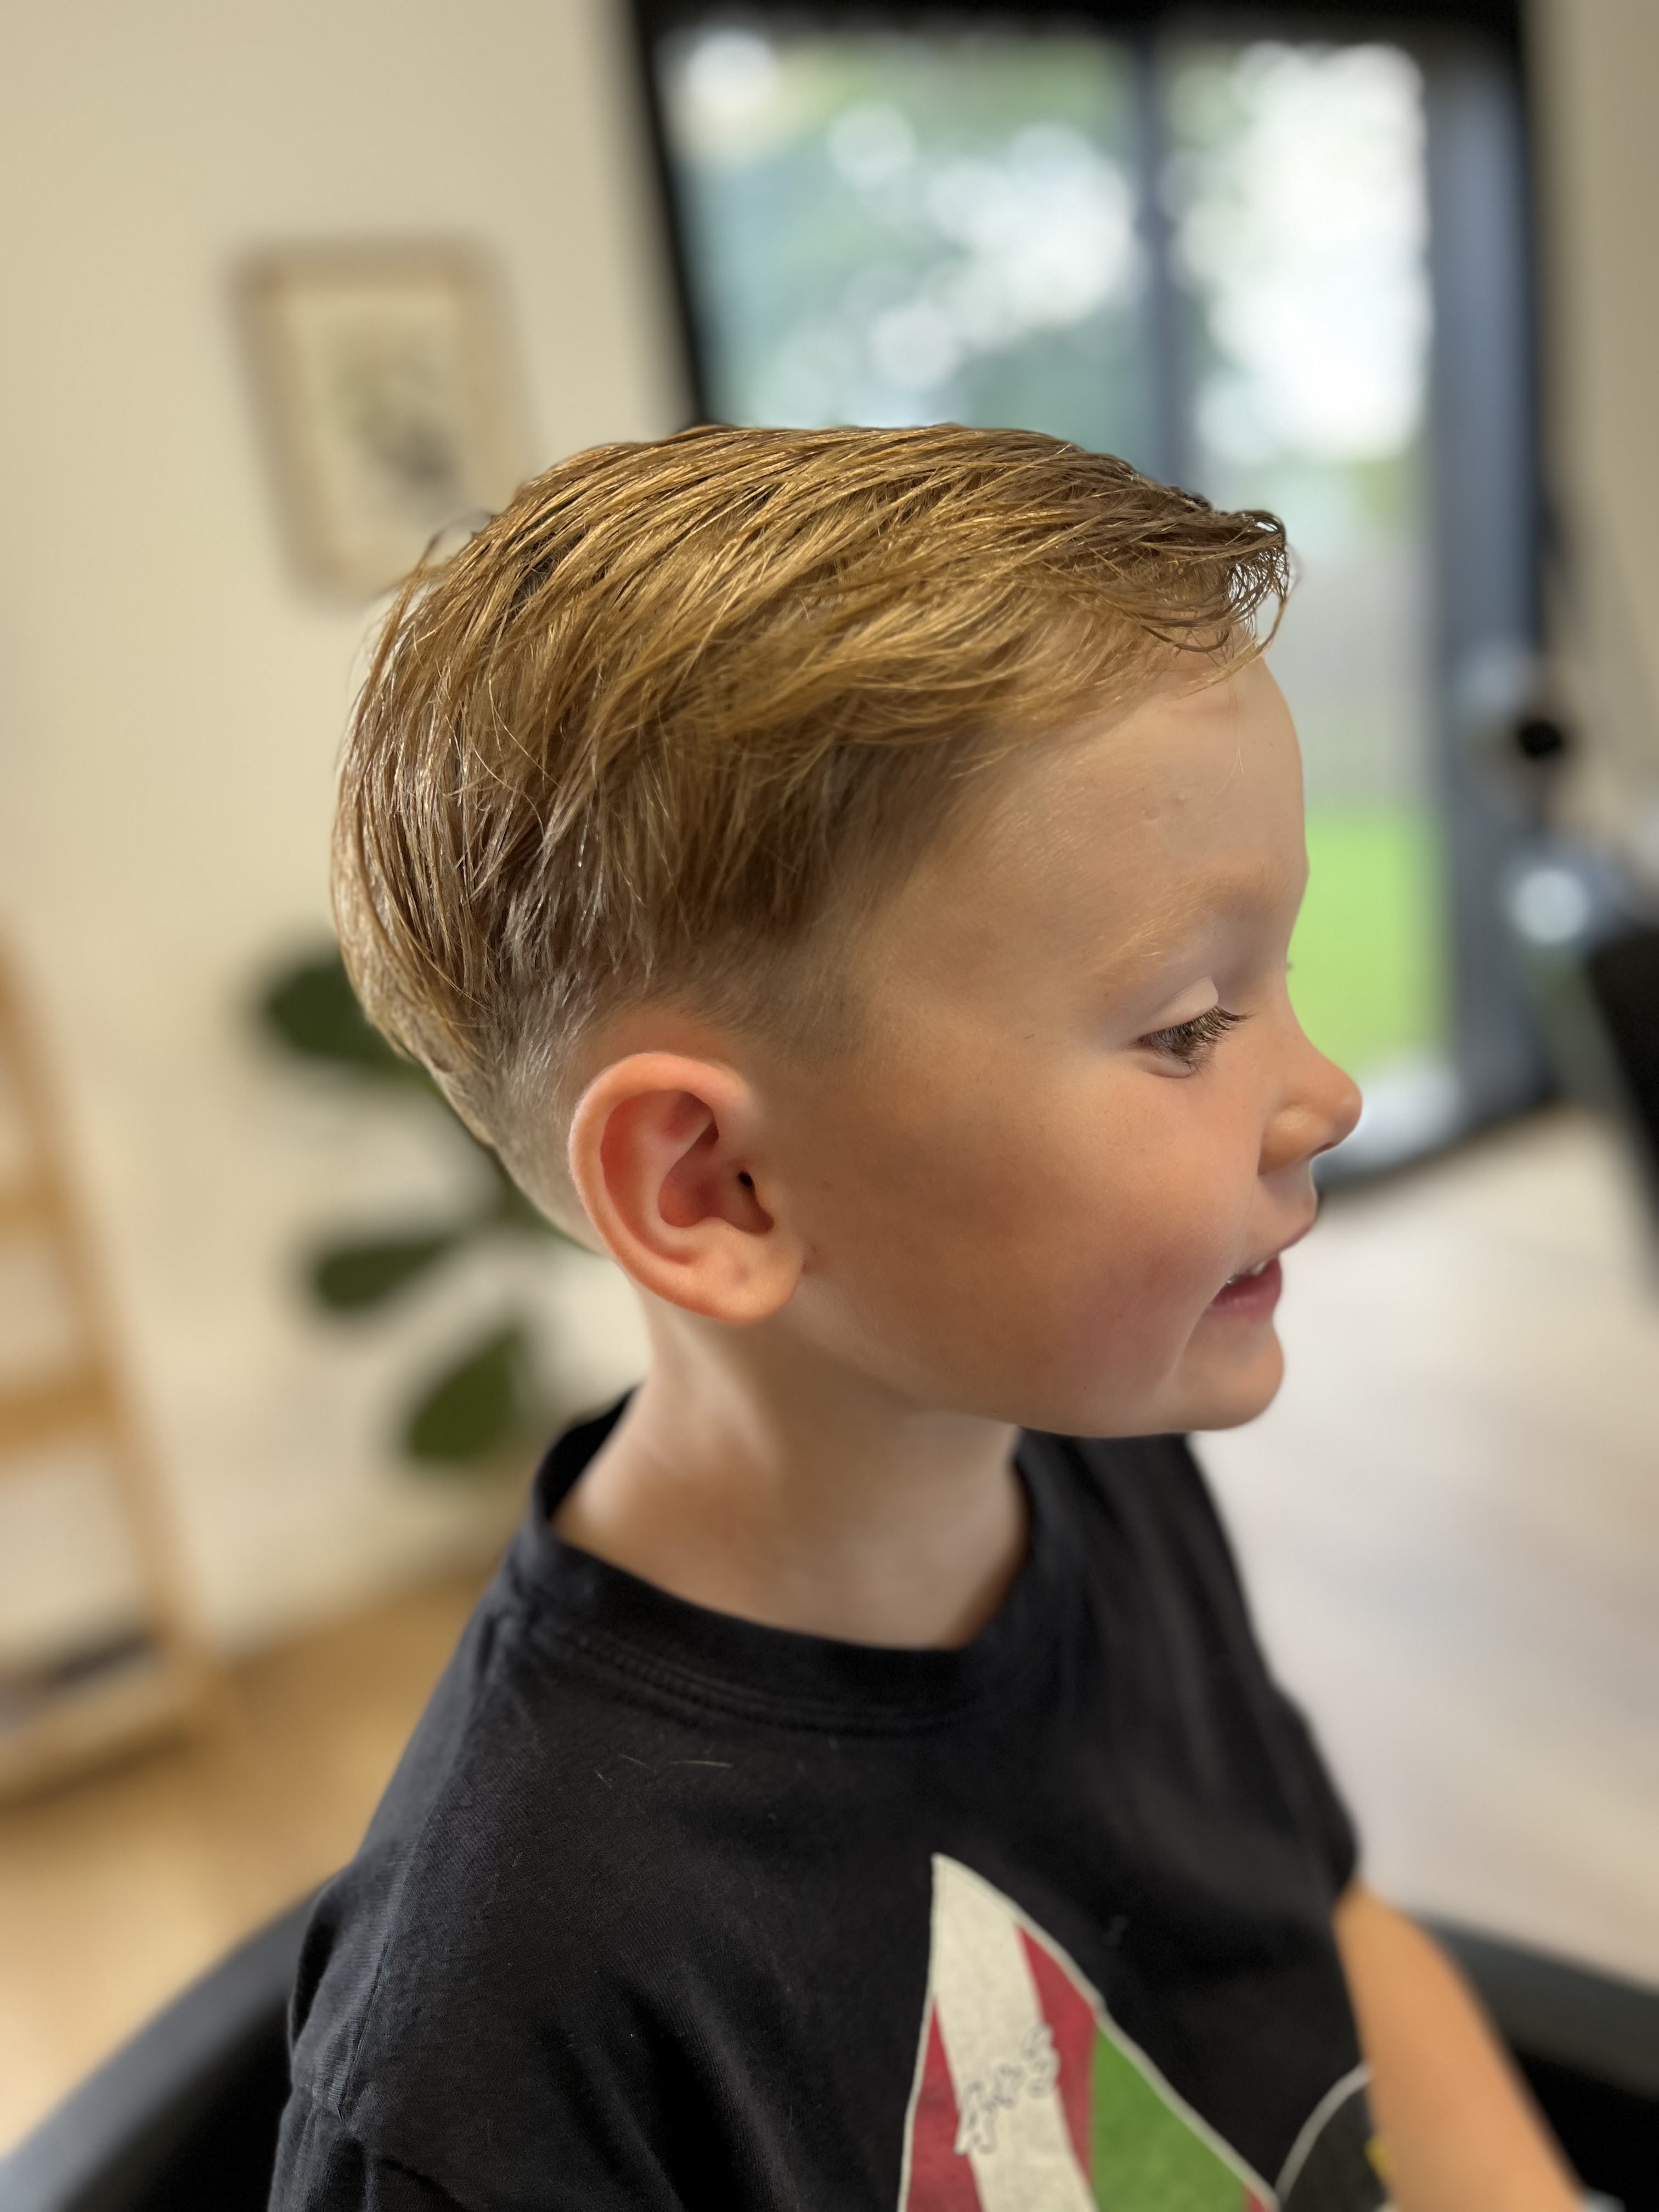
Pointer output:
391, 408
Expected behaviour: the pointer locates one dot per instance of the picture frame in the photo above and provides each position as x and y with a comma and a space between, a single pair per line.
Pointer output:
389, 404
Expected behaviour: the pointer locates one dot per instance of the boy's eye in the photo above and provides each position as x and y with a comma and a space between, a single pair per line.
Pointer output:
1192, 1042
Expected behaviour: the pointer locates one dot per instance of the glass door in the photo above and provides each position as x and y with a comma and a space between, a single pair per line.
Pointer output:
1216, 256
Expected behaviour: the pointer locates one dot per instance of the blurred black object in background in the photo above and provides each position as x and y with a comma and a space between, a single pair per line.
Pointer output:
1623, 975
1589, 950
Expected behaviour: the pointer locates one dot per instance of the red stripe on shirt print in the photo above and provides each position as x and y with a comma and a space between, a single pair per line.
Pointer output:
1071, 2024
941, 2178
940, 2181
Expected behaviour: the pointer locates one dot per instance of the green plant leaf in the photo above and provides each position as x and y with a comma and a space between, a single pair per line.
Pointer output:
474, 1409
350, 1277
313, 1010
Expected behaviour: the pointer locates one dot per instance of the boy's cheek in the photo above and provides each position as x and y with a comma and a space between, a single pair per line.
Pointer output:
1047, 1333
1124, 1313
1151, 1369
1126, 1349
1084, 1341
1050, 1269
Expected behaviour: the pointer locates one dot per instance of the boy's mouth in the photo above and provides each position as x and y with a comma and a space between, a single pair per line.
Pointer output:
1251, 1295
1232, 1287
1248, 1273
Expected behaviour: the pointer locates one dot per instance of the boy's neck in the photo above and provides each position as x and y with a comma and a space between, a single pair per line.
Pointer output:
755, 1477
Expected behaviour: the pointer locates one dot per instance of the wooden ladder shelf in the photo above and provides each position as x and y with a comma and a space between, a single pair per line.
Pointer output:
79, 1707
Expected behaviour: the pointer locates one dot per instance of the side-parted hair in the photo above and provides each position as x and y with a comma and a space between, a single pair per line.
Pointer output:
684, 707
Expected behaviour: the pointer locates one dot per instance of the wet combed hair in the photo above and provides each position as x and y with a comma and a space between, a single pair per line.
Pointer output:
684, 706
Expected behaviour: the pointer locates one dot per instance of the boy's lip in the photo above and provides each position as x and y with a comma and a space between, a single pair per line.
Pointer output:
1255, 1267
1249, 1297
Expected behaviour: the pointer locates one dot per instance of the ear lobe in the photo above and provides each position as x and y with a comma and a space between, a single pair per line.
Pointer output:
664, 1151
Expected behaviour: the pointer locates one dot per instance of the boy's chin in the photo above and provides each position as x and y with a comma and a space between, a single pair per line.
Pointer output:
1226, 1396
1205, 1390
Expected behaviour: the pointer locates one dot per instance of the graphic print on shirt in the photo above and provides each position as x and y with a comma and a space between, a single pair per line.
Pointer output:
1027, 2097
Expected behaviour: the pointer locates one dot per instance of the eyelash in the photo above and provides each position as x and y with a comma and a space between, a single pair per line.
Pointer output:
1193, 1041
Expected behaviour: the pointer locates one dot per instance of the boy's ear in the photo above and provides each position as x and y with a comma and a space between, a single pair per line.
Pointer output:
663, 1151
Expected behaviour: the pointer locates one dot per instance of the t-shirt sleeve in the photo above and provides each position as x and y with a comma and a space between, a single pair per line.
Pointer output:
1195, 1527
322, 2166
326, 2164
1324, 1813
430, 2071
1329, 1818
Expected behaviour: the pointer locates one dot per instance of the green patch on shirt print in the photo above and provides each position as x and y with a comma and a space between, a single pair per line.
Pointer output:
1028, 2098
1145, 2154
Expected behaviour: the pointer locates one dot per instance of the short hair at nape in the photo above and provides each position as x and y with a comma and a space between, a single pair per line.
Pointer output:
683, 703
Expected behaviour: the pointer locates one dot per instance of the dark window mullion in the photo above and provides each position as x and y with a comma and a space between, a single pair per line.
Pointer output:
1484, 493
1167, 354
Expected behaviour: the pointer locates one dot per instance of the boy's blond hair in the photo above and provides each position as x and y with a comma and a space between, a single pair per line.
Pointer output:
683, 712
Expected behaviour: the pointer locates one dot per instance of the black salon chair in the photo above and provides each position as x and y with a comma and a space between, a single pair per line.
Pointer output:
1589, 2045
183, 2118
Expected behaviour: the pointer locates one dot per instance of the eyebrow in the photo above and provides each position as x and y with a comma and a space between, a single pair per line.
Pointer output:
1238, 894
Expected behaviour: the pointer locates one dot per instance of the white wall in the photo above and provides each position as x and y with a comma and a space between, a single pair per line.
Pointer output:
170, 705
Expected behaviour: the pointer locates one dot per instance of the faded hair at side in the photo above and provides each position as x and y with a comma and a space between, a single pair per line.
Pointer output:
682, 704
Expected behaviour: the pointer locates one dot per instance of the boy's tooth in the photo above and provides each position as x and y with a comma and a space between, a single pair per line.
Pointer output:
1244, 1273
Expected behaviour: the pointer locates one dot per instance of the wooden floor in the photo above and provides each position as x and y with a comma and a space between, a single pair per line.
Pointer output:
116, 1892
1451, 1525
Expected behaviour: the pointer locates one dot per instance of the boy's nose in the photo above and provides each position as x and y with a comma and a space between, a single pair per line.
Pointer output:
1322, 1109
1344, 1104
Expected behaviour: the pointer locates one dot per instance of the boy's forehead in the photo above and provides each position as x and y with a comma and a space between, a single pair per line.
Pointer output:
1102, 862
1192, 793
1182, 749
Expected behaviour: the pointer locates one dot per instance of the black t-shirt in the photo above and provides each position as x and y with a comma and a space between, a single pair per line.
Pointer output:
664, 1909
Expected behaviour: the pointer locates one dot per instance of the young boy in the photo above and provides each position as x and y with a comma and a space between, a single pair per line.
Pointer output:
848, 876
